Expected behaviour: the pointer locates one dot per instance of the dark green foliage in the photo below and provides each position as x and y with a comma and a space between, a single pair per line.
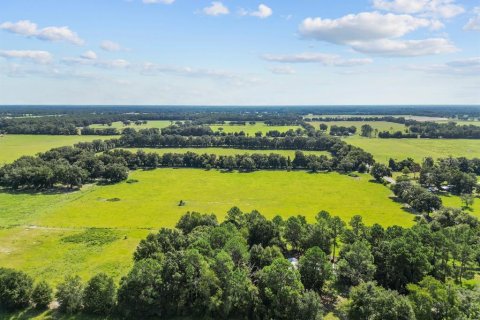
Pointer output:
70, 295
99, 295
315, 269
191, 220
42, 295
355, 264
15, 289
378, 171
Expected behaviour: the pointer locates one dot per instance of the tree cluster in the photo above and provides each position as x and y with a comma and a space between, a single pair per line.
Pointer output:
342, 130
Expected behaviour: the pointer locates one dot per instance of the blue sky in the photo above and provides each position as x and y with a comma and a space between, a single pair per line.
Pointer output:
196, 52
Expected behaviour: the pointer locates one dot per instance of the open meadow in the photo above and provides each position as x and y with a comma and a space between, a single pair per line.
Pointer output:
159, 124
226, 151
251, 129
36, 226
13, 146
417, 149
379, 125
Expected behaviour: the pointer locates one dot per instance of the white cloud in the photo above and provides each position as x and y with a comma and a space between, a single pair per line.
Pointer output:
473, 23
30, 29
88, 60
437, 8
377, 33
42, 57
463, 67
217, 8
322, 58
158, 1
406, 48
262, 12
90, 55
283, 70
111, 46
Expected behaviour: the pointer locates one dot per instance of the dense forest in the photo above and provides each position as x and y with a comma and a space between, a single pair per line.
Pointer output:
249, 267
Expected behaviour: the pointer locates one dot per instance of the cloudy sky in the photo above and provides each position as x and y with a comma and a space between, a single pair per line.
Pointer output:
231, 52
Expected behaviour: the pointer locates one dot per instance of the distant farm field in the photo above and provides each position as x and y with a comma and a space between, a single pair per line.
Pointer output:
379, 125
13, 146
159, 124
251, 129
418, 149
37, 227
226, 151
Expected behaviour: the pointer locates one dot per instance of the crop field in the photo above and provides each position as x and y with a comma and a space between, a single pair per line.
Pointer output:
159, 124
418, 149
252, 129
13, 147
379, 125
39, 227
226, 151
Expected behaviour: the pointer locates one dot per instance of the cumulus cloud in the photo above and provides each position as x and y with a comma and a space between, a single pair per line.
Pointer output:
216, 9
30, 29
437, 8
262, 12
322, 58
473, 23
158, 1
110, 46
42, 57
377, 33
90, 58
90, 55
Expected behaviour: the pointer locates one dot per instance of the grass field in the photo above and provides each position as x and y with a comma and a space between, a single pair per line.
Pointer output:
35, 224
418, 149
13, 147
150, 124
252, 129
226, 151
379, 125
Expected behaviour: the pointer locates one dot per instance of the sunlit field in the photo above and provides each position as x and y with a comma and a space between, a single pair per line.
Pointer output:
159, 124
251, 129
379, 125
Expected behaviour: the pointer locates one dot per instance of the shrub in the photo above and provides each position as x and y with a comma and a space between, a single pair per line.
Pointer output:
70, 295
15, 289
99, 295
42, 295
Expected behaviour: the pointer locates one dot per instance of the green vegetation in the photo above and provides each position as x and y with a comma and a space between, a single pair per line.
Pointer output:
14, 146
417, 149
379, 125
37, 223
159, 124
226, 151
251, 129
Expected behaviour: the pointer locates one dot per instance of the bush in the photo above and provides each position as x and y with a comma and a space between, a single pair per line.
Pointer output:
42, 295
99, 295
15, 289
70, 295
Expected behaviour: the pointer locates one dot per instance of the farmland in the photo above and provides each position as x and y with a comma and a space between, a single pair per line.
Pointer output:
379, 125
159, 124
13, 147
251, 129
36, 223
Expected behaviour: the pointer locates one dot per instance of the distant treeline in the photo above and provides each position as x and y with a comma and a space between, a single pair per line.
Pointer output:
435, 130
251, 267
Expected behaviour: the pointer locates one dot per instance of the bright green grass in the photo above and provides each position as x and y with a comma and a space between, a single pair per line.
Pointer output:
13, 146
456, 202
35, 224
226, 151
252, 129
418, 149
379, 125
159, 124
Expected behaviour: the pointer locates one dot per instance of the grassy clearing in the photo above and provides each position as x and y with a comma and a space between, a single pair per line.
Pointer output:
14, 146
159, 124
418, 149
379, 125
55, 228
226, 151
252, 129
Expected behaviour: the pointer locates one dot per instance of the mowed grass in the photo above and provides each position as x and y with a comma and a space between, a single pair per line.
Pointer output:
251, 129
159, 124
226, 151
379, 125
13, 146
417, 149
34, 225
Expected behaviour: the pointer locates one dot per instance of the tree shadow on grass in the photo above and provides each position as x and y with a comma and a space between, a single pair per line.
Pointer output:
404, 206
35, 192
32, 313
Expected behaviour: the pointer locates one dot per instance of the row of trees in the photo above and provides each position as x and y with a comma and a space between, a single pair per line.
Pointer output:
246, 268
435, 130
342, 130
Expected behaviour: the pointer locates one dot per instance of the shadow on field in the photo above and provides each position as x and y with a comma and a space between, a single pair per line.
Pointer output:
404, 208
33, 192
47, 315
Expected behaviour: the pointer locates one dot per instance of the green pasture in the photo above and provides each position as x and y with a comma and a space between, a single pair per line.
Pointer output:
251, 129
159, 124
418, 149
225, 151
14, 146
35, 226
379, 125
